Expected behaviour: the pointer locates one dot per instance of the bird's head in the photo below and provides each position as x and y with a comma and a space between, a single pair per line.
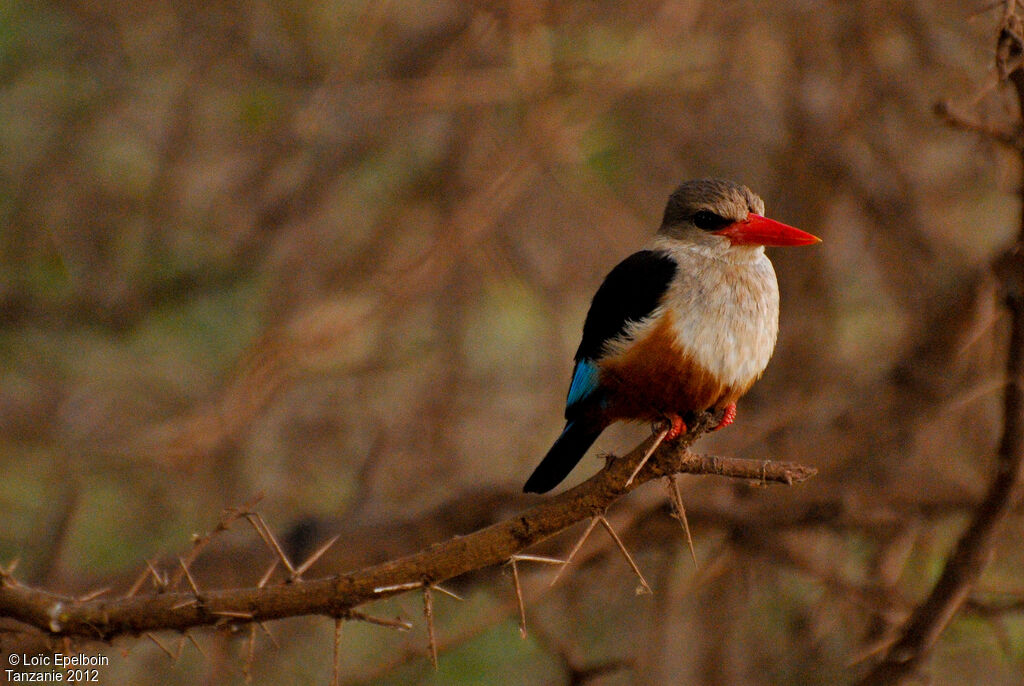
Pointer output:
725, 217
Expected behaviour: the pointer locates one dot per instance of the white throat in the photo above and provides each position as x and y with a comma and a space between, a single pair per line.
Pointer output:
725, 307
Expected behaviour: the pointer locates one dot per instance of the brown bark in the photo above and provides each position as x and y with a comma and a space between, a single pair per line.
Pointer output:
340, 595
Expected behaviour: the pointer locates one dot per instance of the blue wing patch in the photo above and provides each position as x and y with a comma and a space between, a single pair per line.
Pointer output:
629, 293
585, 380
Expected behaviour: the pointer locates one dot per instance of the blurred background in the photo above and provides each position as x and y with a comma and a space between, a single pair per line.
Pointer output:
340, 253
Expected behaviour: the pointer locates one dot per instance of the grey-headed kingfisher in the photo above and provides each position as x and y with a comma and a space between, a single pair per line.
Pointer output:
685, 325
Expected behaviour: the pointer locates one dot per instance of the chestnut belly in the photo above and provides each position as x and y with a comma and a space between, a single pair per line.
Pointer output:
655, 376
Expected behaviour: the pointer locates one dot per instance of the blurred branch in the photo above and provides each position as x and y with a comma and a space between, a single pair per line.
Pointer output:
1011, 139
338, 596
975, 546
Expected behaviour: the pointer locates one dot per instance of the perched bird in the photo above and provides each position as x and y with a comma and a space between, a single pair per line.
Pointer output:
685, 325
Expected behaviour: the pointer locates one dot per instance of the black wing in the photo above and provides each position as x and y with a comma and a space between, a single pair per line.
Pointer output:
629, 293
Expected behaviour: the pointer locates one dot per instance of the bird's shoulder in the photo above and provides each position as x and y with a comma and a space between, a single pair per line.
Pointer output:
630, 292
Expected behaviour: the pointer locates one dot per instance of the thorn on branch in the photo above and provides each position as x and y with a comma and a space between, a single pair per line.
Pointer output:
311, 560
407, 586
93, 595
199, 542
643, 588
250, 654
160, 581
258, 523
679, 512
575, 549
647, 455
519, 597
524, 557
180, 648
518, 587
191, 581
336, 669
450, 594
428, 613
263, 626
161, 646
198, 647
267, 574
138, 582
594, 521
398, 624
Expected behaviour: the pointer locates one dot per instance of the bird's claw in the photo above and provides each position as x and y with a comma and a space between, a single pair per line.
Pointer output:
676, 427
728, 417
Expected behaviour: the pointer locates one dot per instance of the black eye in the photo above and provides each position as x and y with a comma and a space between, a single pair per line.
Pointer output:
709, 221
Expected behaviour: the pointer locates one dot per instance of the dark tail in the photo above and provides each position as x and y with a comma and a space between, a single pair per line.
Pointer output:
567, 451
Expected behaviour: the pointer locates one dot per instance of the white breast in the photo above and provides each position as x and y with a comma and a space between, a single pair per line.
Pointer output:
726, 310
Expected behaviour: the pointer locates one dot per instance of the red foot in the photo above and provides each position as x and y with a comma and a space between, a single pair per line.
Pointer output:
677, 428
728, 418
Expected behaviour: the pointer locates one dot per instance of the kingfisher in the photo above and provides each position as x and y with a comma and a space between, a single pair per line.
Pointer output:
685, 325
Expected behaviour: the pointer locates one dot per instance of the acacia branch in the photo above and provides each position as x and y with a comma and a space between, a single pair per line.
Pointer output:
340, 595
922, 630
